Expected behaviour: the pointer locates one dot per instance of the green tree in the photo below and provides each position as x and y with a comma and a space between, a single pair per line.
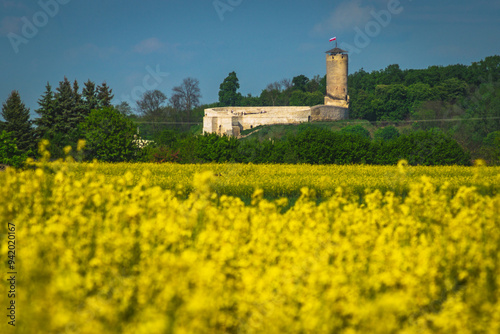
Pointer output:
66, 114
47, 120
9, 153
427, 148
214, 148
452, 89
124, 108
315, 98
228, 91
17, 122
391, 75
271, 94
298, 98
482, 116
89, 95
104, 95
81, 109
151, 107
313, 85
420, 92
491, 148
386, 133
109, 136
187, 96
300, 82
356, 130
361, 107
252, 101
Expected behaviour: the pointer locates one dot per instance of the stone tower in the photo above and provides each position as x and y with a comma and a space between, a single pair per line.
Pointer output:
337, 62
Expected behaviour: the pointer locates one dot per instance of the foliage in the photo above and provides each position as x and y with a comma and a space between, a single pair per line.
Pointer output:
428, 148
386, 133
109, 136
89, 95
228, 91
168, 138
10, 155
17, 123
482, 113
391, 94
47, 111
320, 146
186, 96
300, 98
104, 95
62, 111
110, 251
214, 148
124, 108
300, 82
356, 130
492, 147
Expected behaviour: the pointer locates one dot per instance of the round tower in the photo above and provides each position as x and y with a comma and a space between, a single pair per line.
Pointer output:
337, 64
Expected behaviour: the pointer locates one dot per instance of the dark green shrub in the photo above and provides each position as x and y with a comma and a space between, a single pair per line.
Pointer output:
214, 148
427, 148
321, 146
386, 133
356, 130
167, 138
109, 136
9, 153
491, 148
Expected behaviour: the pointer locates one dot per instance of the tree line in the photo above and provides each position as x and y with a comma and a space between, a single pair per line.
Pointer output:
68, 114
461, 101
314, 144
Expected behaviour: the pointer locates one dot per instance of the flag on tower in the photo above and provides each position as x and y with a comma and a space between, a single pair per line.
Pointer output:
333, 39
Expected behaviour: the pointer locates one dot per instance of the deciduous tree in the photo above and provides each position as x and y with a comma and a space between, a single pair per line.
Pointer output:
151, 107
186, 96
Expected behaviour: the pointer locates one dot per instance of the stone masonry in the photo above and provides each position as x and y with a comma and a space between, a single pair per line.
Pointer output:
231, 121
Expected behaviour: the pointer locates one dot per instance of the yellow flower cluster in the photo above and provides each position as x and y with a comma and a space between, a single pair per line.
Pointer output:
108, 248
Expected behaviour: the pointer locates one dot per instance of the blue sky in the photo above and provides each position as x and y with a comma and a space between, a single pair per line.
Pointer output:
153, 44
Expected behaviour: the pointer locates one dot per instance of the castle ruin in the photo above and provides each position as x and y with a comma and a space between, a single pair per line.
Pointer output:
231, 121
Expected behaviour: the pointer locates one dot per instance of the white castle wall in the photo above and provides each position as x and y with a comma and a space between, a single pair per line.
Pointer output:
232, 120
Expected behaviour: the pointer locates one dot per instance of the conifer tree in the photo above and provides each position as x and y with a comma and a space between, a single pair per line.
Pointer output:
89, 95
17, 122
80, 110
47, 120
65, 119
104, 95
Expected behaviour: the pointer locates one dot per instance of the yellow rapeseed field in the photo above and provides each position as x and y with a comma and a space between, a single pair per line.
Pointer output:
143, 248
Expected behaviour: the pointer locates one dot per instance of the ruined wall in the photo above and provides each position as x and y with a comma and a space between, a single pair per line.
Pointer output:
232, 120
325, 113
